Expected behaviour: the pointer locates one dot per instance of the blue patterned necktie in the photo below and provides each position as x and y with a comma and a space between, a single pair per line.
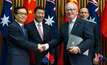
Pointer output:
23, 30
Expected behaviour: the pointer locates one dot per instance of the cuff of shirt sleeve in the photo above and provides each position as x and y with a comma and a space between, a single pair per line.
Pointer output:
79, 50
47, 46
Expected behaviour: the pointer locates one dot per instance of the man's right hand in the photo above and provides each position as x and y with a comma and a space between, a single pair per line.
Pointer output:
41, 47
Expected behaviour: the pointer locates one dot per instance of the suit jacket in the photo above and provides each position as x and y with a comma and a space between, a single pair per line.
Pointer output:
34, 36
82, 29
18, 45
97, 37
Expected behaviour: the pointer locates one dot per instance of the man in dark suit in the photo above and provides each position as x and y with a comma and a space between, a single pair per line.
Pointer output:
76, 26
39, 32
84, 14
17, 40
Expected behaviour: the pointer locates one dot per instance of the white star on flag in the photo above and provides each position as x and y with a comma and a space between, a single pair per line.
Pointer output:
91, 20
5, 20
49, 21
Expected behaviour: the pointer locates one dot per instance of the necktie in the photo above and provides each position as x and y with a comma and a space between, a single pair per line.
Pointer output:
23, 30
40, 31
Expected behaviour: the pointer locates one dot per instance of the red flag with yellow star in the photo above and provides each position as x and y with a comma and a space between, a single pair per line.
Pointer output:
60, 62
30, 5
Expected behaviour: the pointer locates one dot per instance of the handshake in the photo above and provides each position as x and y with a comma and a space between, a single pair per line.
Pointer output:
42, 47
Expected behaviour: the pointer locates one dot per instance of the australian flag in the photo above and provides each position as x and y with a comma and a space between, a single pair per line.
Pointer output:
93, 11
5, 19
50, 16
50, 19
102, 58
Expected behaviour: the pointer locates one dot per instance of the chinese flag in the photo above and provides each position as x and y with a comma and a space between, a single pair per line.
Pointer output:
51, 58
104, 22
30, 5
60, 62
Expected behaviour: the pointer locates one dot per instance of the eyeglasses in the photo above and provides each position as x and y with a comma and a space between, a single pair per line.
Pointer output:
22, 13
70, 10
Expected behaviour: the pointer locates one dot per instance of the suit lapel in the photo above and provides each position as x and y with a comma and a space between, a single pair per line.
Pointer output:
35, 30
66, 29
75, 26
44, 31
18, 26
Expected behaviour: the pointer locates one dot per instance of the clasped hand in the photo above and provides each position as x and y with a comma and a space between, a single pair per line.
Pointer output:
41, 47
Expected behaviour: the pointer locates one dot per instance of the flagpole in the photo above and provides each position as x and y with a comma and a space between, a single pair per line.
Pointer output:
48, 58
48, 62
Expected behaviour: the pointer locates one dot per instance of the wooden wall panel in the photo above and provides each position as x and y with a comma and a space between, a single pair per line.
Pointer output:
1, 37
1, 4
1, 40
60, 16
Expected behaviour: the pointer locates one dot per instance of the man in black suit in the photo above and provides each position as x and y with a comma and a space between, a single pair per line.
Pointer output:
17, 40
39, 32
84, 14
76, 26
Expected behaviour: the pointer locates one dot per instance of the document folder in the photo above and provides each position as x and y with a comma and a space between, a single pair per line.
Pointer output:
73, 41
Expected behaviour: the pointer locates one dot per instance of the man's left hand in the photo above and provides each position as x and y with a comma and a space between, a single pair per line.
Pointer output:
74, 50
95, 61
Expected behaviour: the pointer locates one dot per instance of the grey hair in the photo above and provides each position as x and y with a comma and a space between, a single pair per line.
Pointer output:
72, 4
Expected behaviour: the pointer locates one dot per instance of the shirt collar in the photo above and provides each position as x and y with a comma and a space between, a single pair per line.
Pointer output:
36, 23
19, 23
74, 19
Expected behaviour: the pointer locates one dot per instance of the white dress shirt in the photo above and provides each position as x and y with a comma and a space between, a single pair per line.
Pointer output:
71, 24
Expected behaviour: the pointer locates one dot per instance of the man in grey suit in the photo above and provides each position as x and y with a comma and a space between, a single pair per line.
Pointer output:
78, 27
84, 14
17, 40
39, 32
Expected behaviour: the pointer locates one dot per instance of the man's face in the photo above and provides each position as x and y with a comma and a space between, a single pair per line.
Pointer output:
39, 15
71, 11
83, 13
21, 15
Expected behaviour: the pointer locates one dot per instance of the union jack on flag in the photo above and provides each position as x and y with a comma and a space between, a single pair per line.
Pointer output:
93, 11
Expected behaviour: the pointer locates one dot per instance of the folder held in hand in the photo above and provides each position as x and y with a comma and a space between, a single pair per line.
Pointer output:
73, 41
